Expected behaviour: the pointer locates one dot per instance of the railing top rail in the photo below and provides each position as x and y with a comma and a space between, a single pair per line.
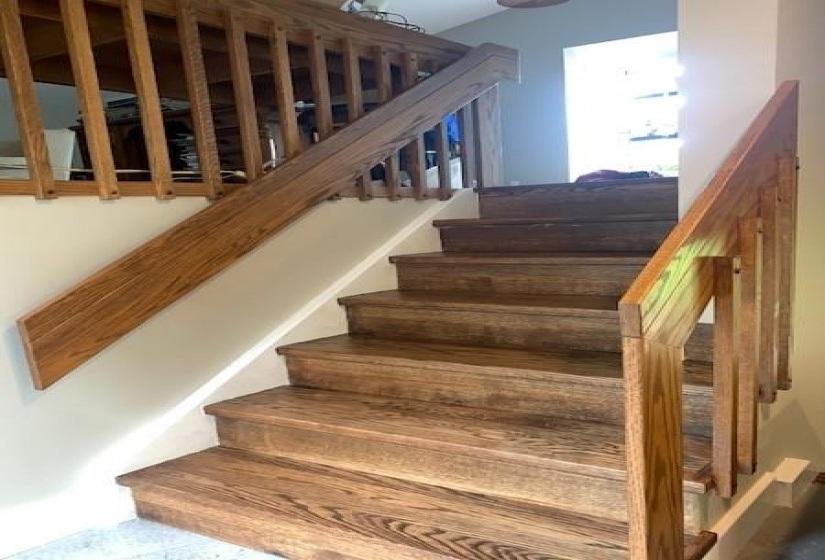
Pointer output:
668, 291
306, 14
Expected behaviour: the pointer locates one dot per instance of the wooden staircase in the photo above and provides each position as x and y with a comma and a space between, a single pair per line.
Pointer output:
474, 413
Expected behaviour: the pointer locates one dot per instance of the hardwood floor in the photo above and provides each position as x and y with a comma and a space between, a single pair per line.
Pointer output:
474, 413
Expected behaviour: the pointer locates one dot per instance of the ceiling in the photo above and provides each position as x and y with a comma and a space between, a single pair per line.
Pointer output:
437, 15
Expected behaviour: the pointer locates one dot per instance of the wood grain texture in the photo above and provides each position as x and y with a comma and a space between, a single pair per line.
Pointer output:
198, 88
244, 94
442, 150
489, 155
285, 91
319, 74
787, 210
653, 408
537, 236
291, 507
641, 199
414, 155
352, 80
469, 146
78, 324
76, 27
18, 71
750, 317
725, 376
769, 293
143, 70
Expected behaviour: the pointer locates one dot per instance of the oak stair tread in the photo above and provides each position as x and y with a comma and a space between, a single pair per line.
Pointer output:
566, 220
671, 182
571, 305
604, 258
552, 364
300, 509
584, 448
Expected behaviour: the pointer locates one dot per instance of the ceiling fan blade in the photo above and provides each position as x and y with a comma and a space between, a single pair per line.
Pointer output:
529, 3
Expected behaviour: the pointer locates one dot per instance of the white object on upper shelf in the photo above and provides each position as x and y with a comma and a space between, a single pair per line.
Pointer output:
61, 146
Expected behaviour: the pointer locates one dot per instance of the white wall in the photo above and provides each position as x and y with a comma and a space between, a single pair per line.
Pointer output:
735, 53
139, 402
533, 115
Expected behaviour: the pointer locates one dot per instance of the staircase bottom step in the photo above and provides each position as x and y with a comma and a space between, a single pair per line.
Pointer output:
304, 511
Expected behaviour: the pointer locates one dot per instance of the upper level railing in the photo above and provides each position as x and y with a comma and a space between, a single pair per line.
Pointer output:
216, 85
81, 322
735, 245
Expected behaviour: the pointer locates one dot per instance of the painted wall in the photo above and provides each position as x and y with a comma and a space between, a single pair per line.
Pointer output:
139, 402
735, 54
533, 112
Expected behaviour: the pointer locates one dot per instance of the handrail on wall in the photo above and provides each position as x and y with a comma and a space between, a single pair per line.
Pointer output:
735, 244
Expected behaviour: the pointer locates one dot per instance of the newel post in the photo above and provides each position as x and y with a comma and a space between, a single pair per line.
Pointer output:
653, 410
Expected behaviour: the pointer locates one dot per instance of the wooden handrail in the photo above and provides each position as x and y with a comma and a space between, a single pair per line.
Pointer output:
661, 309
73, 327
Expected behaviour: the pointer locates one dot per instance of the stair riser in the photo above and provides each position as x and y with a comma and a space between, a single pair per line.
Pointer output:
559, 237
591, 399
566, 490
508, 330
518, 279
652, 200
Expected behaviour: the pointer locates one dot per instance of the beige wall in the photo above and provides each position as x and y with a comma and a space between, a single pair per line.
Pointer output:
139, 402
735, 53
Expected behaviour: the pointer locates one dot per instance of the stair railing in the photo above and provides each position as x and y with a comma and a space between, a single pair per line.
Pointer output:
736, 246
259, 44
74, 326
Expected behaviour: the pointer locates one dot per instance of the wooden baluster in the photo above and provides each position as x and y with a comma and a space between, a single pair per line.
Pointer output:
653, 410
786, 223
748, 394
285, 92
488, 136
769, 308
468, 147
442, 148
320, 83
143, 70
244, 94
383, 83
79, 43
26, 108
415, 155
198, 88
725, 375
355, 104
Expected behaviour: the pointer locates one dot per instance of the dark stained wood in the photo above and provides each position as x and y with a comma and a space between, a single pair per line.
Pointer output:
24, 98
537, 236
143, 69
653, 409
358, 515
442, 150
231, 228
469, 163
76, 28
414, 153
725, 376
383, 84
699, 546
244, 94
750, 317
285, 92
196, 82
642, 199
488, 126
319, 74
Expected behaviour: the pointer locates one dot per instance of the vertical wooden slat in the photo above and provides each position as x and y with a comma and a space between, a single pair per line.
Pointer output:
244, 94
383, 83
488, 134
442, 148
749, 317
768, 336
414, 153
285, 92
79, 43
468, 147
143, 69
786, 223
653, 410
352, 80
319, 73
198, 88
725, 376
24, 97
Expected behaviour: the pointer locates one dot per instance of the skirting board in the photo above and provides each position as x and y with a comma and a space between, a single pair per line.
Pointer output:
783, 487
